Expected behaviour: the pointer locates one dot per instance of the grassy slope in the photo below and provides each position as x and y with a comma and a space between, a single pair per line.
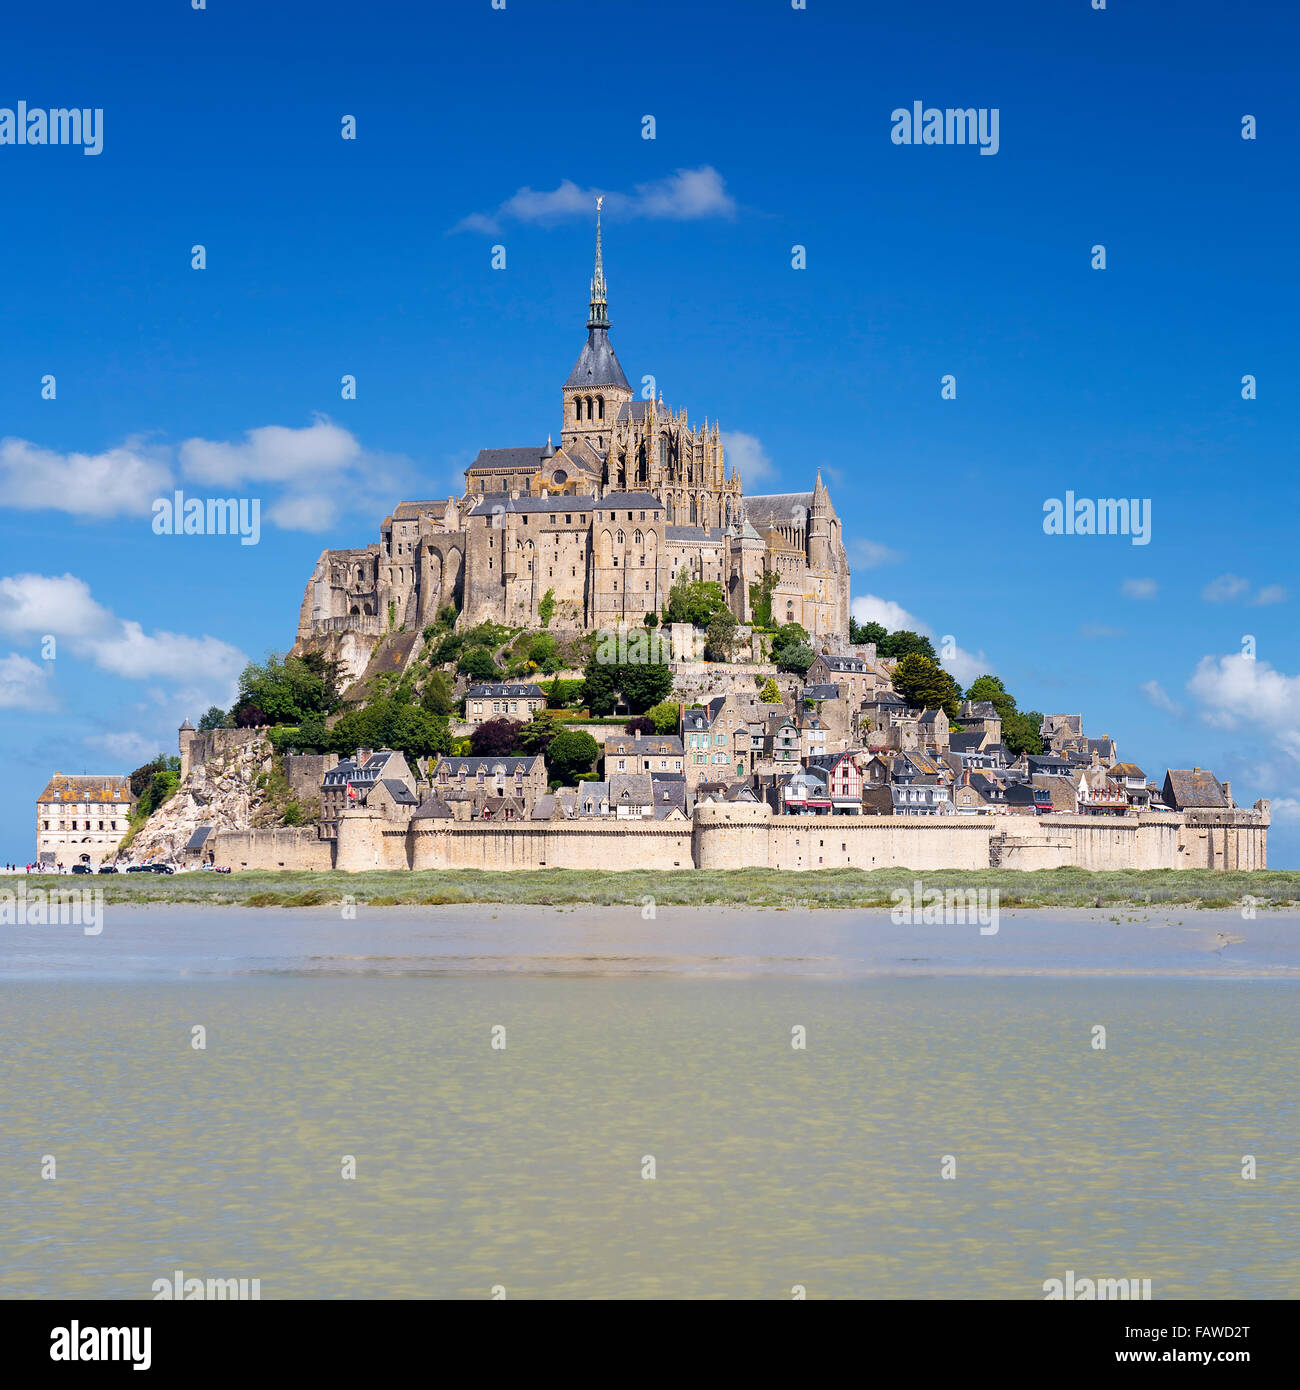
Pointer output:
735, 888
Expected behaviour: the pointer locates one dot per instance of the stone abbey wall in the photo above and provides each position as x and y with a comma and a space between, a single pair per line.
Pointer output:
742, 836
291, 848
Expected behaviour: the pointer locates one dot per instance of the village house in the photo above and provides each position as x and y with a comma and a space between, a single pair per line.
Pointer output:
351, 780
843, 773
485, 702
858, 676
641, 752
1196, 789
980, 717
81, 819
478, 780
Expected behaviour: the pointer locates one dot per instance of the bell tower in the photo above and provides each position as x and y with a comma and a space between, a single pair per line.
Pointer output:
596, 389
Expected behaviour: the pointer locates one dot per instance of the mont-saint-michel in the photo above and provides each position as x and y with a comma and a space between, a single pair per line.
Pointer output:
606, 654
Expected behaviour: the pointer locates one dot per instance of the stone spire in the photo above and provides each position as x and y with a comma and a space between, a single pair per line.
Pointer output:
599, 316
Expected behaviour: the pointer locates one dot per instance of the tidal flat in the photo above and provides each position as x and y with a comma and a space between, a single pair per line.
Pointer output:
827, 888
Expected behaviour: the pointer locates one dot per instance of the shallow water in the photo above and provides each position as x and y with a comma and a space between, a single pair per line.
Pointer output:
624, 1038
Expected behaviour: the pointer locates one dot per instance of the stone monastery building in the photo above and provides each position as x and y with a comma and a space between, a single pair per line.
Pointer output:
633, 498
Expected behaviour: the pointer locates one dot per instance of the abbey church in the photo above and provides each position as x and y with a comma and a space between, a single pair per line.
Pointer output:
632, 499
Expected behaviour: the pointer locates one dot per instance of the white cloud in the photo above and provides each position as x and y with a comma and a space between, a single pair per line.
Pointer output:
272, 453
319, 472
1160, 698
124, 748
686, 195
746, 452
1225, 588
1140, 588
118, 482
869, 608
1236, 691
962, 665
1270, 593
23, 683
866, 554
36, 605
1285, 808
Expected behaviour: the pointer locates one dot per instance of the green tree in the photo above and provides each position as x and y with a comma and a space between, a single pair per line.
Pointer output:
641, 684
477, 663
990, 688
796, 657
546, 608
536, 735
694, 601
666, 716
923, 682
215, 718
720, 637
861, 634
1020, 732
770, 693
570, 754
437, 696
903, 643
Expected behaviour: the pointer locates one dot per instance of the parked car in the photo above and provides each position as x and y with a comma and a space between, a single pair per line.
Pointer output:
139, 869
162, 868
82, 869
108, 869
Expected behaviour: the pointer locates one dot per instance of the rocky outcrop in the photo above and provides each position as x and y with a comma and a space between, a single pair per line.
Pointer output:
240, 789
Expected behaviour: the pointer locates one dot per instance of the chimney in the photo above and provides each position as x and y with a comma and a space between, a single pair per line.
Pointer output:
1227, 792
638, 735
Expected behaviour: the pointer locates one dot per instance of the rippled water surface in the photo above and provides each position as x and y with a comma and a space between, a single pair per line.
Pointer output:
625, 1038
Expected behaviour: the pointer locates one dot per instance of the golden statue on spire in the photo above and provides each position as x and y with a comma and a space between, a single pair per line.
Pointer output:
599, 200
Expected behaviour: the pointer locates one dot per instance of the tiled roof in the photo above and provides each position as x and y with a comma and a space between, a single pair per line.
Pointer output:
109, 789
1195, 787
521, 692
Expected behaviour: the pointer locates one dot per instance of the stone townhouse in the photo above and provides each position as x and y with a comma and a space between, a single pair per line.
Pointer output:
641, 752
717, 738
858, 676
838, 712
504, 701
81, 819
350, 781
979, 718
479, 778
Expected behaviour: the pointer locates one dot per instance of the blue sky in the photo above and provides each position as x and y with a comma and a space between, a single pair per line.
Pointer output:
373, 257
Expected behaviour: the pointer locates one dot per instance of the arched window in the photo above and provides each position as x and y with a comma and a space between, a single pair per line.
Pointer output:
589, 414
638, 538
577, 407
692, 511
600, 407
663, 451
620, 537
